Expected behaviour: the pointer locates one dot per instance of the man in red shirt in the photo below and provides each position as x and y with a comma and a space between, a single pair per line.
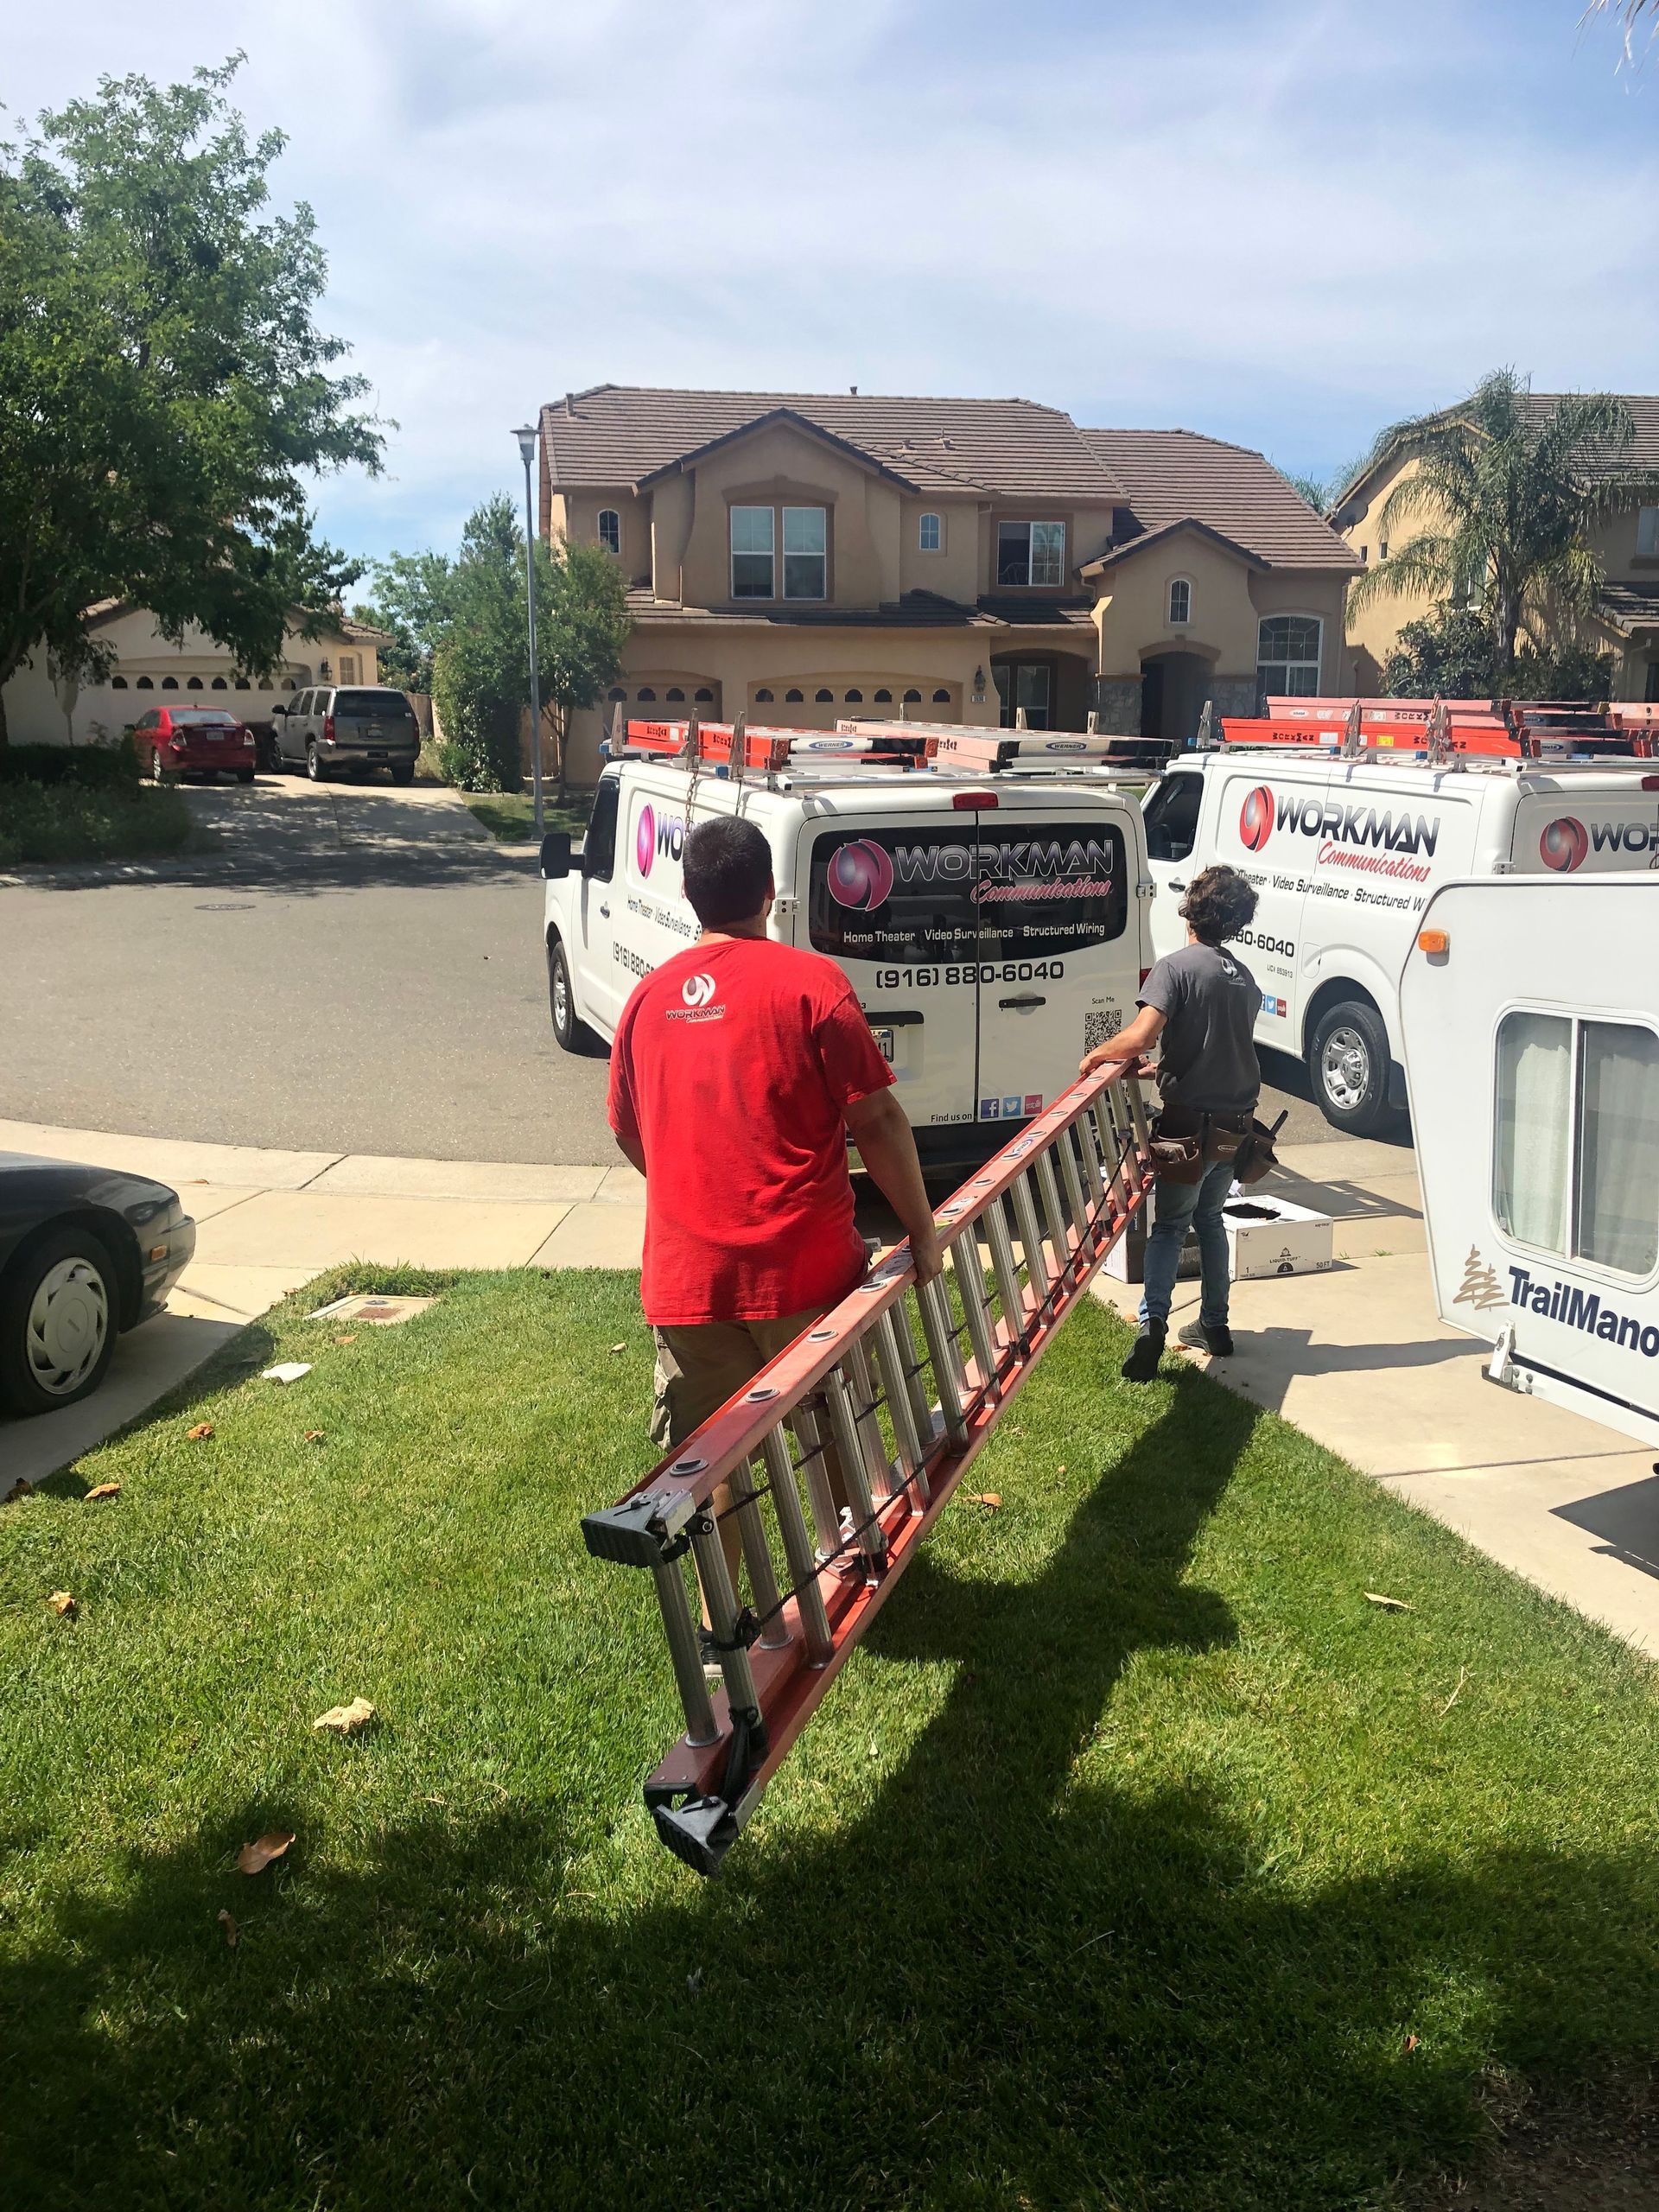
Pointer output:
738, 1068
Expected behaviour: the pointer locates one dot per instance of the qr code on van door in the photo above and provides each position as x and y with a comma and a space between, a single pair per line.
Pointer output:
1096, 1028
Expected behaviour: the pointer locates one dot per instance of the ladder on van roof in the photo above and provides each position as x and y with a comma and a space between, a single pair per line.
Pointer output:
1442, 730
735, 749
905, 1385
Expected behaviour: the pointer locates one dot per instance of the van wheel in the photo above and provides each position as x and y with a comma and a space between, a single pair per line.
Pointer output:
1348, 1066
572, 1034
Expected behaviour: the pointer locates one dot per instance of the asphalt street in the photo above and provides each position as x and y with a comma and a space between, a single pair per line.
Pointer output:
350, 968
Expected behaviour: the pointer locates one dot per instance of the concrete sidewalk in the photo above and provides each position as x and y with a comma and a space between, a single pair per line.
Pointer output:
267, 1222
1358, 1359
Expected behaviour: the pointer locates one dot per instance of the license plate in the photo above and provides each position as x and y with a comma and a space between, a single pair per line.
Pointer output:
884, 1043
214, 736
376, 756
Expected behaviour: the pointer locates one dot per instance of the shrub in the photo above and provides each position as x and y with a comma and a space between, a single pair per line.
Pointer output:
91, 767
68, 822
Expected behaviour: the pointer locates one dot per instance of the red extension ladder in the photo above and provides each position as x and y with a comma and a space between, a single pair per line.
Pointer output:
904, 1386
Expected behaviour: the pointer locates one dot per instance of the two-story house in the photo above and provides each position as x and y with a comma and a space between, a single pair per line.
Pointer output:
1626, 621
804, 557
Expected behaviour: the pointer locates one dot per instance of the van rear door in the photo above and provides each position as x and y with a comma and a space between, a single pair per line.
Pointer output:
1598, 832
1060, 961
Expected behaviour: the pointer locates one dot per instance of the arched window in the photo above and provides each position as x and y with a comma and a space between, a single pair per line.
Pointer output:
763, 698
705, 697
192, 683
242, 684
1287, 657
1180, 602
610, 530
884, 698
117, 684
169, 683
645, 694
676, 695
854, 698
930, 534
292, 684
941, 699
823, 698
794, 698
144, 684
616, 692
912, 698
219, 684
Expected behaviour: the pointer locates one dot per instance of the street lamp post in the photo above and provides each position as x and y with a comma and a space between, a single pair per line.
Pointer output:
527, 438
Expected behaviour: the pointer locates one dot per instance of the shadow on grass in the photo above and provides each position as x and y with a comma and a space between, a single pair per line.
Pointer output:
1009, 1976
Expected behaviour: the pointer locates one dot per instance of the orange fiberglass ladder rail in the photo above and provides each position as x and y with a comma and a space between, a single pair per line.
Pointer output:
857, 1397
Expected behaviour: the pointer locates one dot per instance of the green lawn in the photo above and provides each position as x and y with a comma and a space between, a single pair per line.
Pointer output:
1118, 1872
511, 816
68, 822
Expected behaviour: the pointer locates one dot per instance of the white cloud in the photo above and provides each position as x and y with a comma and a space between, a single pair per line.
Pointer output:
1284, 222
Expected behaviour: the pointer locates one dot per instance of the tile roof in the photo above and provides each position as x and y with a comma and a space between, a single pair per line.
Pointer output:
621, 434
1176, 475
916, 610
1641, 456
1125, 548
1630, 606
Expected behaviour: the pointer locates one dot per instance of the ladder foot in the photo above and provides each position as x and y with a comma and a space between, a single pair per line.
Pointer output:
701, 1832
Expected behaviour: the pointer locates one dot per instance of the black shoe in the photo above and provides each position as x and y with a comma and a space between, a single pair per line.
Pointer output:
1198, 1336
1145, 1352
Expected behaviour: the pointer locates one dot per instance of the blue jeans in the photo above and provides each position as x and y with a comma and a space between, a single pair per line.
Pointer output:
1175, 1207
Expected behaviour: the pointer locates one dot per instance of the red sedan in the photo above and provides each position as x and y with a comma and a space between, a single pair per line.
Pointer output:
174, 741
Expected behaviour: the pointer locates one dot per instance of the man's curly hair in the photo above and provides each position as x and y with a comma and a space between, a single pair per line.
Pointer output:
1219, 902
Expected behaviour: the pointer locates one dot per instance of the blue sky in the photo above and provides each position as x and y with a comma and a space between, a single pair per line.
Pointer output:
1284, 222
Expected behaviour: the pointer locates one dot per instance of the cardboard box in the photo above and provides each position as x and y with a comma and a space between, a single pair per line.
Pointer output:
1265, 1235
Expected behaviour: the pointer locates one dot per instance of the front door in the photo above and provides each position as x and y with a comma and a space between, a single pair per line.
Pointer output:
599, 991
1028, 684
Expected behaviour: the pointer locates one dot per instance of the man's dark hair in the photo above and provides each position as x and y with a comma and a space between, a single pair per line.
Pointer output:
1219, 903
727, 867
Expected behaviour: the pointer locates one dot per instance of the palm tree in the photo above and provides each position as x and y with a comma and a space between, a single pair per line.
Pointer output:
1507, 504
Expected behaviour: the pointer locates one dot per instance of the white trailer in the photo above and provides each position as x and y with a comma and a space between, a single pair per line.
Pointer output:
1530, 1013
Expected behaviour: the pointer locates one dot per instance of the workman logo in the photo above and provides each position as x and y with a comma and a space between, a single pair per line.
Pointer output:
1255, 819
861, 874
652, 838
1351, 834
1563, 844
697, 991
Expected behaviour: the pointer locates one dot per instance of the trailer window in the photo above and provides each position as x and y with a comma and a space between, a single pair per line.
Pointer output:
1578, 1120
1615, 1206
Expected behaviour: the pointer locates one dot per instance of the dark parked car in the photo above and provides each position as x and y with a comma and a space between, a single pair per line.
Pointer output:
84, 1254
174, 741
338, 730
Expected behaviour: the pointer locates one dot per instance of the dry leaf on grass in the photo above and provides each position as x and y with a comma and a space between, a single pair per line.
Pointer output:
62, 1604
232, 1933
19, 1488
314, 1435
346, 1719
286, 1370
201, 1433
1412, 2043
254, 1858
1389, 1605
351, 1340
101, 1489
993, 1498
618, 1347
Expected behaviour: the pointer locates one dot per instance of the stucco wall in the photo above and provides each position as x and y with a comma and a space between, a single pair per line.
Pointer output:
953, 571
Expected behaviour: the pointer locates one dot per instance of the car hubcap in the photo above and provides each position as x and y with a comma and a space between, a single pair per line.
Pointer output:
1346, 1065
68, 1324
561, 997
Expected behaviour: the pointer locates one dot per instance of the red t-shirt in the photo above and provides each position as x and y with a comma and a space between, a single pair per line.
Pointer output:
732, 1065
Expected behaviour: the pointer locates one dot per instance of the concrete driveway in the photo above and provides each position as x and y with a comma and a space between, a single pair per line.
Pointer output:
350, 966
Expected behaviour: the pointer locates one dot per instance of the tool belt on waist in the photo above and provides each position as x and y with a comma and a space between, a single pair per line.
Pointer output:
1187, 1142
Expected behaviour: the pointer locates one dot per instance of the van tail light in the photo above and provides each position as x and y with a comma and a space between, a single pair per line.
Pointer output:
177, 743
328, 729
965, 802
1651, 782
1145, 972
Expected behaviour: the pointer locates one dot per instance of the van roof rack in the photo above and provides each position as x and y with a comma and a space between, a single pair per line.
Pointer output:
1444, 731
733, 750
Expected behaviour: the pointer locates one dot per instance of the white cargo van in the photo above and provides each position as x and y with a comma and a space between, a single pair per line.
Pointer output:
993, 922
1345, 851
1531, 1021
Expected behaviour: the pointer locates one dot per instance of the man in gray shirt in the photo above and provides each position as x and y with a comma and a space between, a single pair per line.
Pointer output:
1202, 1003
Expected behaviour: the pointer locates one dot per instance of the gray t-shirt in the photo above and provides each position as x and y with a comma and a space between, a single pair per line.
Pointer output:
1209, 1000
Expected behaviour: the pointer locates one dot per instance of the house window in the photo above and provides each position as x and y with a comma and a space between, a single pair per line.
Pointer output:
145, 683
616, 692
610, 530
348, 668
854, 699
806, 552
1382, 549
676, 696
192, 683
1031, 553
1575, 1152
169, 683
705, 697
823, 698
884, 698
941, 699
1647, 533
1364, 557
912, 698
646, 695
219, 684
763, 698
117, 684
1287, 657
794, 698
1180, 601
932, 535
241, 683
752, 552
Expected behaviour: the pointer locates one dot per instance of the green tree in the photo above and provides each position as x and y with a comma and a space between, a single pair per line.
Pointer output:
481, 675
1506, 505
1450, 655
165, 390
413, 600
